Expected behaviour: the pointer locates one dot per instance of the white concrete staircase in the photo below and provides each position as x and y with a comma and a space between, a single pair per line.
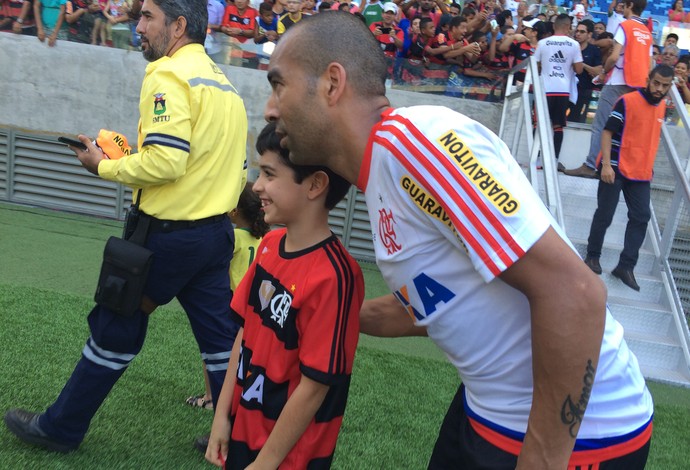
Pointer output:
651, 328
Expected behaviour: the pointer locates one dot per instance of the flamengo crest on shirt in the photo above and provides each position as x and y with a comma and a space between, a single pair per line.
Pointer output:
387, 233
478, 175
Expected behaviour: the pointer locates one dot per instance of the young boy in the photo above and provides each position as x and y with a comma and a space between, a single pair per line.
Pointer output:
289, 372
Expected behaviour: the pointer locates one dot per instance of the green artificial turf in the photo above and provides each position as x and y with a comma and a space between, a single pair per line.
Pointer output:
48, 267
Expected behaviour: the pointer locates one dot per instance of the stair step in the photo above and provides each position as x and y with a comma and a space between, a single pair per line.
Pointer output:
641, 317
651, 290
666, 376
610, 254
653, 354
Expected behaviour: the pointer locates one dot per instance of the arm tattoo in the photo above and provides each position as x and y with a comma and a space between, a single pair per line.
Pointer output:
573, 412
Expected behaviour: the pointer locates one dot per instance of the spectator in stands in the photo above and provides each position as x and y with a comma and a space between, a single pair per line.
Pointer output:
293, 15
50, 16
213, 47
238, 20
591, 63
266, 29
117, 14
670, 55
476, 64
348, 6
671, 38
460, 47
629, 64
309, 7
681, 77
521, 46
237, 26
279, 8
560, 59
323, 6
454, 9
425, 9
372, 11
676, 13
388, 34
626, 164
616, 15
80, 17
410, 31
19, 17
656, 54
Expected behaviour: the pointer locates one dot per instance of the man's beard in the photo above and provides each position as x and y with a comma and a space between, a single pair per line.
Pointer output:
652, 99
153, 53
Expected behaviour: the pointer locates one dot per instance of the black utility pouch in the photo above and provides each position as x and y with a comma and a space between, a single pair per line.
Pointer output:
123, 276
131, 222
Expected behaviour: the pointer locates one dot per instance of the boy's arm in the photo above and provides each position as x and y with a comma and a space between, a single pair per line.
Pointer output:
217, 449
292, 422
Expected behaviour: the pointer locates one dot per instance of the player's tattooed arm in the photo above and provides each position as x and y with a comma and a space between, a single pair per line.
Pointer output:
572, 412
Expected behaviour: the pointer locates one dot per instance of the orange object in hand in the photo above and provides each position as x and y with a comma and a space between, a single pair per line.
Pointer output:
113, 144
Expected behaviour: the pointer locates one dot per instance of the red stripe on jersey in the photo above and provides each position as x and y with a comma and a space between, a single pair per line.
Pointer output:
469, 190
345, 285
460, 227
580, 458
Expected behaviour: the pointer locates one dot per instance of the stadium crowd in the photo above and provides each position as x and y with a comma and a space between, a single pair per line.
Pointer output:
463, 49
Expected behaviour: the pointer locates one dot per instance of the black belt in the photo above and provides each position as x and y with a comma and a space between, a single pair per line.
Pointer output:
161, 225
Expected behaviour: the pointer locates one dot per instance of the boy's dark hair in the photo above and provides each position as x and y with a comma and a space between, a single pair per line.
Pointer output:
265, 7
685, 58
324, 6
425, 21
503, 16
249, 207
477, 35
589, 24
269, 141
468, 11
671, 35
343, 5
638, 6
455, 22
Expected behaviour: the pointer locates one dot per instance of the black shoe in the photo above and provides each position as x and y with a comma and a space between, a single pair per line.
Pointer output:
627, 276
593, 264
582, 171
201, 443
24, 424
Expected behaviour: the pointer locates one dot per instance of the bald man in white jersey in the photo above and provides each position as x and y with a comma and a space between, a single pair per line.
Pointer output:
472, 258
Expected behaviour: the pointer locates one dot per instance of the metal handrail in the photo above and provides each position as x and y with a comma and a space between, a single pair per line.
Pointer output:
532, 93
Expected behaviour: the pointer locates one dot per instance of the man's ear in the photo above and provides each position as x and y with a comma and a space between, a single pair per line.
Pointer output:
180, 27
336, 79
319, 184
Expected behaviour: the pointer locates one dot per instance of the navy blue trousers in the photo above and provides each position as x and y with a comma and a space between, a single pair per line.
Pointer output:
190, 264
637, 196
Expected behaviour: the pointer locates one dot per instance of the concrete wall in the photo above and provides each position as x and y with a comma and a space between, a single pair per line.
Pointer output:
75, 88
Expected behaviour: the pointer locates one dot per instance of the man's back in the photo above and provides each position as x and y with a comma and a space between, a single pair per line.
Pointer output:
197, 121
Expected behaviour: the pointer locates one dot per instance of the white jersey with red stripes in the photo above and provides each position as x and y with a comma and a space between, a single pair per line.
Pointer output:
450, 210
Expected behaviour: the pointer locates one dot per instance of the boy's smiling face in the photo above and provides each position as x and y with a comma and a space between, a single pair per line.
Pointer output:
282, 198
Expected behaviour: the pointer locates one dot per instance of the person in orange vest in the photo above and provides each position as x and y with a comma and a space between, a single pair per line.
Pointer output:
625, 69
626, 162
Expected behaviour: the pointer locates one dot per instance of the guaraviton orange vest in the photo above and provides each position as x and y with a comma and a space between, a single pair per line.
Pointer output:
638, 41
640, 136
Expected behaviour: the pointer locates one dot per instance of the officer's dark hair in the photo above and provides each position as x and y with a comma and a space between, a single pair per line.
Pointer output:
663, 70
589, 24
638, 6
194, 11
269, 141
345, 39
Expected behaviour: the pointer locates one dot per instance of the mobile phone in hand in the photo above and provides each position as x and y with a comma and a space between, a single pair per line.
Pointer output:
73, 142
